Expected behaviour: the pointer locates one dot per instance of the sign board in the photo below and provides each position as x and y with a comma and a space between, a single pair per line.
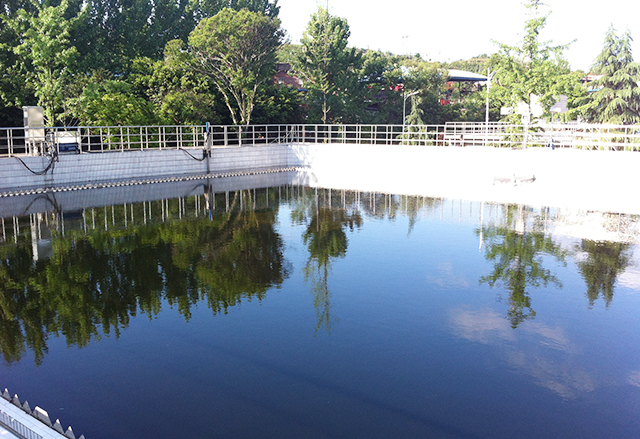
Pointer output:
522, 108
560, 106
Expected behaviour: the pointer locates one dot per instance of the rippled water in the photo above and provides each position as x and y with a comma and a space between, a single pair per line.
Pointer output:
304, 313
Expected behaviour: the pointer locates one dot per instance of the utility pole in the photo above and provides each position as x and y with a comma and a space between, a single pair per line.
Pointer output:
486, 118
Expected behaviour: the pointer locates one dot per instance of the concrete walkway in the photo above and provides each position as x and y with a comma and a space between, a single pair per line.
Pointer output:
16, 423
6, 434
605, 181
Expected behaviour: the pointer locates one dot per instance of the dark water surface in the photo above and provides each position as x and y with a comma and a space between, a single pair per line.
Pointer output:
291, 312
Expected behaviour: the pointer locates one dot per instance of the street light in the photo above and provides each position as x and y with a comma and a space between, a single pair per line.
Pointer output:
490, 75
404, 106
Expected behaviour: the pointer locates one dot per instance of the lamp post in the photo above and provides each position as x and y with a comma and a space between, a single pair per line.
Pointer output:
486, 118
404, 106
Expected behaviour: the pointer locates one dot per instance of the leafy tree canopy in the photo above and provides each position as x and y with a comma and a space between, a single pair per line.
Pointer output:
237, 51
45, 55
329, 69
615, 97
532, 70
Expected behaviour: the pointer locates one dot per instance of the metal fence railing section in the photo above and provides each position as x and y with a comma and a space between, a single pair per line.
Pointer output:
54, 140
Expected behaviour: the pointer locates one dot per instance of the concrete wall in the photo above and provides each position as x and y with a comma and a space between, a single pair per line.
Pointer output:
73, 169
598, 180
91, 198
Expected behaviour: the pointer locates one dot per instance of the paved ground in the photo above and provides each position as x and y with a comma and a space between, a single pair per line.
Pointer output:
6, 434
24, 420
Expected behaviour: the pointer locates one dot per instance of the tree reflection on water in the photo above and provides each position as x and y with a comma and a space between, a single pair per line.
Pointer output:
93, 284
604, 262
326, 241
96, 279
517, 248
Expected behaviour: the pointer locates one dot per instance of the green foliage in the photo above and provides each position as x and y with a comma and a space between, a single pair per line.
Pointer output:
477, 64
13, 88
111, 33
615, 98
381, 94
288, 53
49, 52
108, 102
180, 93
533, 68
428, 79
278, 104
236, 50
329, 70
45, 53
208, 8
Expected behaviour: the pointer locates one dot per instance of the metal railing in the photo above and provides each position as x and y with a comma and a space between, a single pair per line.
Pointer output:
41, 141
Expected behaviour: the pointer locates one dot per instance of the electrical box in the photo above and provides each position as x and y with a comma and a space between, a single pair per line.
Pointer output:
33, 128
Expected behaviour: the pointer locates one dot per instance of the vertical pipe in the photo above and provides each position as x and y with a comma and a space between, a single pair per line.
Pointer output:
481, 226
34, 237
16, 229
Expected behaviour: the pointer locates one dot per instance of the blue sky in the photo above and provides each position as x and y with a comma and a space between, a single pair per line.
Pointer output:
447, 31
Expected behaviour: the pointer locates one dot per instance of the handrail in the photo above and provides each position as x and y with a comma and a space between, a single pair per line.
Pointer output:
92, 139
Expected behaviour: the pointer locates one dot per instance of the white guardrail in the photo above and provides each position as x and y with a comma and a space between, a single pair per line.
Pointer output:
42, 141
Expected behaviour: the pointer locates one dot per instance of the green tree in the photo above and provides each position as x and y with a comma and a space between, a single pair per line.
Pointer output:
329, 70
105, 101
532, 71
477, 64
208, 8
380, 86
615, 97
181, 94
278, 104
13, 89
111, 33
428, 79
46, 55
236, 49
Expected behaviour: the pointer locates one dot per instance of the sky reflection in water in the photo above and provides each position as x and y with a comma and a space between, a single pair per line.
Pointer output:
292, 312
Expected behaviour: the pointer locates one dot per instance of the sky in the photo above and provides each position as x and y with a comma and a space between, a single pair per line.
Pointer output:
448, 31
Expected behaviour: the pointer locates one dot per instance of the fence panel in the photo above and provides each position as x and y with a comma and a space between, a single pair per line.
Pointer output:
41, 141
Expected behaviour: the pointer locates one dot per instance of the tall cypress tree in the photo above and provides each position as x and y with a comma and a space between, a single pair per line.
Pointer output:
615, 97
